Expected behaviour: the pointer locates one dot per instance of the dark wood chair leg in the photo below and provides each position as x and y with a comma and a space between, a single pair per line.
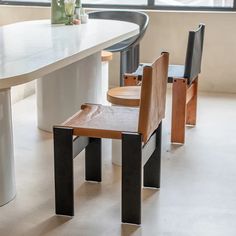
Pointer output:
152, 168
131, 178
93, 162
191, 116
63, 171
178, 110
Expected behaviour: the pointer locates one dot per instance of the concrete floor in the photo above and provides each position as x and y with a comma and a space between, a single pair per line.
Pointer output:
197, 195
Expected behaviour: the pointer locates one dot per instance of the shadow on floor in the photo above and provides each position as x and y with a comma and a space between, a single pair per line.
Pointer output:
128, 230
48, 225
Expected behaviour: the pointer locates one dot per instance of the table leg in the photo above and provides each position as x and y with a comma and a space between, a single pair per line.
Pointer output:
61, 93
116, 152
7, 172
105, 81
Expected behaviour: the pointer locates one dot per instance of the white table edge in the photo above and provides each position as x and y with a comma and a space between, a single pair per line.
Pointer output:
32, 75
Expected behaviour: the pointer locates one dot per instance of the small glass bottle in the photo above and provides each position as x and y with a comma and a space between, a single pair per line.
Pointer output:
84, 16
58, 15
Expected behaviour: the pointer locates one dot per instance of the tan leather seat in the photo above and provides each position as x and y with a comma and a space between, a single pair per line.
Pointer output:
103, 121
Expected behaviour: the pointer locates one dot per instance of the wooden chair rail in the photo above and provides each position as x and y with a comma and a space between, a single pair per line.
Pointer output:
191, 91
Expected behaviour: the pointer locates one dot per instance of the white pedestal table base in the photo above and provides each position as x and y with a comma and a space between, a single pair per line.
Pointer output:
61, 93
7, 172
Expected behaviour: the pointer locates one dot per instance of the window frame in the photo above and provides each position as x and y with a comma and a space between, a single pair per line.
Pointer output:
150, 6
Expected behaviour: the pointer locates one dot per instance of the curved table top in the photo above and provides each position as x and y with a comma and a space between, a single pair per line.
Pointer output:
32, 49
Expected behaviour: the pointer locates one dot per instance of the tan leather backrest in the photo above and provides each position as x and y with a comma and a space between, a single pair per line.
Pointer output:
153, 96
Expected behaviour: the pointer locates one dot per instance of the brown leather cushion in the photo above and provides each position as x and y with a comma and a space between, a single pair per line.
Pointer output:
103, 121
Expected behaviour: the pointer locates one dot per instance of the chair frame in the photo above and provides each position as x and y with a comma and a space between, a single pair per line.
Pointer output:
185, 90
141, 150
135, 157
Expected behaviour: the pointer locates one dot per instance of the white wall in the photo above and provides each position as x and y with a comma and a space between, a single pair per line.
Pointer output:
11, 14
168, 31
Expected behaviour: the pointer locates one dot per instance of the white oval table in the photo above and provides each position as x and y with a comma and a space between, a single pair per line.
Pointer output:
66, 60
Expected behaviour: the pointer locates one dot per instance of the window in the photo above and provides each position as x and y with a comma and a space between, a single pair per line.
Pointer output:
120, 2
196, 3
224, 5
26, 2
165, 4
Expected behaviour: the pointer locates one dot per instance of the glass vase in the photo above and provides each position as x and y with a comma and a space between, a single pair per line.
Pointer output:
58, 15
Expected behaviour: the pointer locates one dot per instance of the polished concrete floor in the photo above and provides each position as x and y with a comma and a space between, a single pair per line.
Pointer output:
198, 186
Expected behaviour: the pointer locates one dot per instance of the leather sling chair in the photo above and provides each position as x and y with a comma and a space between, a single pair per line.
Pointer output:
140, 131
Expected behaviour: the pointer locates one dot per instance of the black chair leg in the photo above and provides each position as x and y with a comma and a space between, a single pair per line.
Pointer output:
93, 167
136, 57
131, 177
152, 168
63, 171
